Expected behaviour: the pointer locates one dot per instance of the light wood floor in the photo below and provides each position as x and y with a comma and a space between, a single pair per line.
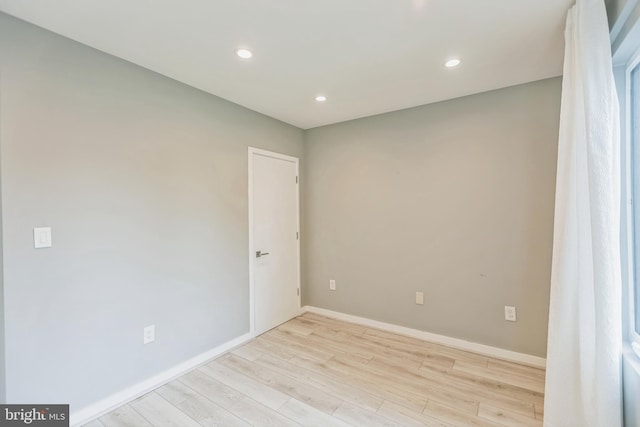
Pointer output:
316, 371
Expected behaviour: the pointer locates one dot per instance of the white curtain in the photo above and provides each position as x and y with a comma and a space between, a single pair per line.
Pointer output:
583, 380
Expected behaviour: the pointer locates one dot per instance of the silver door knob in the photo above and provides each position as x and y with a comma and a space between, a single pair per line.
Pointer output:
260, 253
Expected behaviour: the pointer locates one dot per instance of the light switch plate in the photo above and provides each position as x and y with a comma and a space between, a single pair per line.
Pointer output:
509, 313
42, 237
420, 298
149, 334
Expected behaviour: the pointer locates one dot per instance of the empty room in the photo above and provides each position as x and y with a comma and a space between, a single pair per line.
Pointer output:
334, 213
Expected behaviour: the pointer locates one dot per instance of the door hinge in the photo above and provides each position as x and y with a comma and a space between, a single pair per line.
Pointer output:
297, 236
296, 179
298, 291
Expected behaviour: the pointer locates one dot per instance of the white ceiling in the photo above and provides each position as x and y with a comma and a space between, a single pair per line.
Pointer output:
367, 56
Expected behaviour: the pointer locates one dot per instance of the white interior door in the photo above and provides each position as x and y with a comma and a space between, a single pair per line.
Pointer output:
274, 256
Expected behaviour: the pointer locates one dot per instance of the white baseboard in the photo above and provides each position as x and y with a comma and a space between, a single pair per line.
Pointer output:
109, 403
486, 350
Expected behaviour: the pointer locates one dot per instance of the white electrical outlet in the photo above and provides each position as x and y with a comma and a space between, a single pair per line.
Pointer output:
42, 237
149, 334
420, 298
332, 285
509, 313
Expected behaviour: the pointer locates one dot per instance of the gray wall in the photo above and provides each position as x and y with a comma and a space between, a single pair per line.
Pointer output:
614, 9
624, 18
454, 199
144, 181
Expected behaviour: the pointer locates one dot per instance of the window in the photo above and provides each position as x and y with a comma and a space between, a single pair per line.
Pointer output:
633, 105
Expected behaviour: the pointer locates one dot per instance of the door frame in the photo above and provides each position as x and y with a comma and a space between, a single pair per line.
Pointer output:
257, 151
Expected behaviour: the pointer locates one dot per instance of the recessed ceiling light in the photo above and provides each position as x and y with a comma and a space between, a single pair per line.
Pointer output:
244, 53
452, 63
321, 98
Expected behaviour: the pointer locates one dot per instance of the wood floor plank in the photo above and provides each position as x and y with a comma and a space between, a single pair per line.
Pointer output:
419, 347
359, 379
494, 387
274, 350
248, 353
198, 407
445, 362
124, 416
408, 417
401, 351
409, 384
303, 392
517, 380
309, 416
457, 418
287, 341
367, 349
319, 339
326, 383
294, 328
259, 415
94, 423
496, 393
211, 388
356, 416
514, 368
368, 344
235, 402
506, 418
365, 373
539, 411
161, 413
338, 324
259, 392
